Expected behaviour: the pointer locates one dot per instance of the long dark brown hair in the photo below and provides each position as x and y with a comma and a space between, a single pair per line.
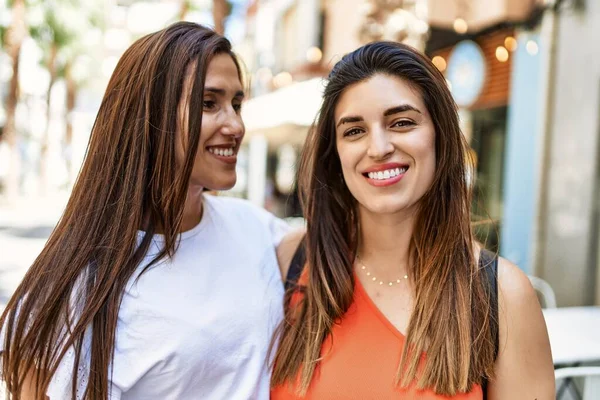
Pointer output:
130, 180
451, 317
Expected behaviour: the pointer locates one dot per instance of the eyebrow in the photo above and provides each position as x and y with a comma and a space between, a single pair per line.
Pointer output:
348, 120
390, 111
222, 92
400, 109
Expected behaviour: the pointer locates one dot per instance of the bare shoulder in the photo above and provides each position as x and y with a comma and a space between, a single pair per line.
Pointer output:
524, 366
515, 287
287, 248
519, 308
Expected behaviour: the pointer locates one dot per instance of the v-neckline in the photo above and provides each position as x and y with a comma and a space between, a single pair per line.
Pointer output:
378, 313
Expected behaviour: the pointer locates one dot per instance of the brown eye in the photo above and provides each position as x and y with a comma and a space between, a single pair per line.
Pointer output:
403, 123
352, 132
208, 104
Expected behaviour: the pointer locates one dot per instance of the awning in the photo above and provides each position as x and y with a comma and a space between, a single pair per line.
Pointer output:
283, 116
479, 14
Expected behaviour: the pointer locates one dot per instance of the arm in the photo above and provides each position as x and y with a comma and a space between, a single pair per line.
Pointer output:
286, 249
28, 390
524, 368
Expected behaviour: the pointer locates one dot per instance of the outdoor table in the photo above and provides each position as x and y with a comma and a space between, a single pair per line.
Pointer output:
574, 338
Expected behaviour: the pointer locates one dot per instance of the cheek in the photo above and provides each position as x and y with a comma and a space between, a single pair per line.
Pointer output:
347, 161
206, 131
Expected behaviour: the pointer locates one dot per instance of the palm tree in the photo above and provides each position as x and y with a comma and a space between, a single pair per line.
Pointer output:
221, 9
71, 96
184, 8
61, 41
13, 40
77, 50
53, 36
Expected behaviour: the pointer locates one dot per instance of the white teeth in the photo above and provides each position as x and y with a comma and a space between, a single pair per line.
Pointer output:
387, 174
221, 152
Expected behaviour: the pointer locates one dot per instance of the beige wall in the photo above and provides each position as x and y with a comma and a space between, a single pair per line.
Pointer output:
571, 222
288, 50
342, 21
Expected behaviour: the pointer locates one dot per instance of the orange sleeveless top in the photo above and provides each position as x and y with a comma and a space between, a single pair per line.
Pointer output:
360, 359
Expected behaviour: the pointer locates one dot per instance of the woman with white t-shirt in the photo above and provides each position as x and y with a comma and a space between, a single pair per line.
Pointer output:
149, 288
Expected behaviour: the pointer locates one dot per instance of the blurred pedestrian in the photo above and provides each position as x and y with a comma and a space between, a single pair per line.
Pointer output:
396, 299
150, 288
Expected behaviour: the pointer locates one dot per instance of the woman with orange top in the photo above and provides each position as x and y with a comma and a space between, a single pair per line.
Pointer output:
396, 299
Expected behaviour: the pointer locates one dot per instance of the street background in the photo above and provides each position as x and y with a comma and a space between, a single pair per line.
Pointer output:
525, 74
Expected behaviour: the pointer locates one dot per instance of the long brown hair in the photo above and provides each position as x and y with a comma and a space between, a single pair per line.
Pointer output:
451, 317
130, 180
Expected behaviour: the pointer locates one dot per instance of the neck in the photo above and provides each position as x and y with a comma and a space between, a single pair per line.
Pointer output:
193, 208
385, 240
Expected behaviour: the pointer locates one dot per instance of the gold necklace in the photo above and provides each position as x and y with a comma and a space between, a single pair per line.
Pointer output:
374, 278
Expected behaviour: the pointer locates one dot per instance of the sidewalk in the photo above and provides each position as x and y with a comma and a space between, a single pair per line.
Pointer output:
24, 229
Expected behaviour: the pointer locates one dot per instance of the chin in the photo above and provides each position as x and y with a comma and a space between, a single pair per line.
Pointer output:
222, 185
384, 210
217, 183
385, 207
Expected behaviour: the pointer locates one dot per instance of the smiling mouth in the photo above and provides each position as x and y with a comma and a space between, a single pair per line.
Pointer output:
222, 151
386, 174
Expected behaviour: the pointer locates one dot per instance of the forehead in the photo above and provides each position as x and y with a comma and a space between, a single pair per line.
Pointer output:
223, 73
377, 94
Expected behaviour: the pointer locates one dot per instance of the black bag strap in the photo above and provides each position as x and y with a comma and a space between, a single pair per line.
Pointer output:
488, 264
296, 265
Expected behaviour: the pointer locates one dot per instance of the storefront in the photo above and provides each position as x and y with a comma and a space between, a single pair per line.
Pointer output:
478, 72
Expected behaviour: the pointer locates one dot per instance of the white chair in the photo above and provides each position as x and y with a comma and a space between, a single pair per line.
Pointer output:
545, 291
591, 381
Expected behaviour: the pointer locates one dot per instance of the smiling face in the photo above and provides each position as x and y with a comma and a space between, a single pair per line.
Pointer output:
385, 139
222, 126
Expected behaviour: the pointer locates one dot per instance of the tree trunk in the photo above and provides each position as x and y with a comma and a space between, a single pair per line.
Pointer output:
15, 36
219, 13
43, 171
68, 144
183, 9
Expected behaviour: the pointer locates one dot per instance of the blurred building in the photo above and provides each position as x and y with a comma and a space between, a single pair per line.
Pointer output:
567, 200
526, 78
484, 53
525, 74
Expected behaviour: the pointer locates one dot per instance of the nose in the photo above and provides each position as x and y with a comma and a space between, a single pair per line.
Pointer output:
233, 125
380, 146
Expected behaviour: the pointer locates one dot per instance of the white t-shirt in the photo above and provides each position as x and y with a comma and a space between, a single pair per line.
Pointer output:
199, 326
